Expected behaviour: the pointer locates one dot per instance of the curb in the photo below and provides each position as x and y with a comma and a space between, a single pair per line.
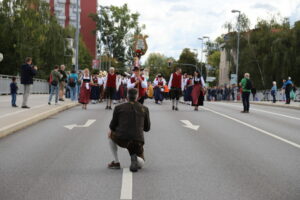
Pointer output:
12, 128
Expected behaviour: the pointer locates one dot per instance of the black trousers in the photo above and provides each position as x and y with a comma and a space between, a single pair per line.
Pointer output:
287, 95
246, 97
141, 100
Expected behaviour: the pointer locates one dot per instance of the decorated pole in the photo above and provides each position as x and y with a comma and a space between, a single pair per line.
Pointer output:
140, 48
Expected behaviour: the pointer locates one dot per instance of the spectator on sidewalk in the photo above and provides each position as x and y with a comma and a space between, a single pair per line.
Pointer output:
124, 134
274, 91
13, 91
72, 85
55, 77
62, 82
27, 73
287, 86
246, 86
253, 91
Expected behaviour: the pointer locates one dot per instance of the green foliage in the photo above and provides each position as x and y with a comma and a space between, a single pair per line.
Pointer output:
158, 64
29, 30
269, 52
117, 26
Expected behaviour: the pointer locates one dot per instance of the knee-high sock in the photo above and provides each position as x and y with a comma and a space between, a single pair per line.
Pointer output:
107, 101
114, 150
173, 102
110, 101
177, 103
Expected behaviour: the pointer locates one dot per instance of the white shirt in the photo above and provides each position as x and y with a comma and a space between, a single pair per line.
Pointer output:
171, 79
132, 85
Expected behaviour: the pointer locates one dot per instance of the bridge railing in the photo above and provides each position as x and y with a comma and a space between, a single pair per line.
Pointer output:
40, 86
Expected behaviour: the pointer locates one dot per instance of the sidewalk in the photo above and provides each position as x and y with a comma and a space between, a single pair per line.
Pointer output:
14, 119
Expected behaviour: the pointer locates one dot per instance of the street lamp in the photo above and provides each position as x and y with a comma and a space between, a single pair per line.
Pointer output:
238, 46
77, 36
202, 40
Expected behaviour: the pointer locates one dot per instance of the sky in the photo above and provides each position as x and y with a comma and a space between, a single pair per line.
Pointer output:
173, 25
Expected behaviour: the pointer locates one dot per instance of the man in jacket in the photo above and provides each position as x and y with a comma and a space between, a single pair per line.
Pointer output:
288, 87
62, 82
27, 74
246, 90
127, 126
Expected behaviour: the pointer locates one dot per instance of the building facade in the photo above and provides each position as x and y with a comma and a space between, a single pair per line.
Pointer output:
65, 11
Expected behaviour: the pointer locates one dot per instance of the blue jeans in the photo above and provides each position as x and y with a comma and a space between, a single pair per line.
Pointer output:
73, 93
13, 99
54, 90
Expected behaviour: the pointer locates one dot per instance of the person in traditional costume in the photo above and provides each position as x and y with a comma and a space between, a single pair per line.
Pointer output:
159, 84
139, 82
110, 86
101, 86
95, 89
176, 86
85, 89
188, 89
198, 91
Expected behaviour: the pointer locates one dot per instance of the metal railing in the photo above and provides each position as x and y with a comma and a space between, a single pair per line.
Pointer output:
40, 86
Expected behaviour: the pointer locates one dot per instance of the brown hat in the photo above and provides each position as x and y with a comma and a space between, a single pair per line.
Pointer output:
136, 69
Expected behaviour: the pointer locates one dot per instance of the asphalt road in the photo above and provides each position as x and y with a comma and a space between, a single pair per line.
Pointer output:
232, 156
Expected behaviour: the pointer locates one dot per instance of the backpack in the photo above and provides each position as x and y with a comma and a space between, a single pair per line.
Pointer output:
72, 82
248, 84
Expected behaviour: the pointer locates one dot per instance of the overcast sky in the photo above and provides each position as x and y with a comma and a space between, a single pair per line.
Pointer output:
176, 24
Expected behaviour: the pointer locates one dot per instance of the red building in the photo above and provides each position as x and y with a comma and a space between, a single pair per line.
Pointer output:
65, 11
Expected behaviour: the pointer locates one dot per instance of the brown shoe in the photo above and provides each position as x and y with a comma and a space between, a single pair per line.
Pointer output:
114, 165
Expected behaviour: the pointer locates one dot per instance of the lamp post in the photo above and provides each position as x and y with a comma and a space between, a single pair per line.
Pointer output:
77, 36
202, 40
238, 48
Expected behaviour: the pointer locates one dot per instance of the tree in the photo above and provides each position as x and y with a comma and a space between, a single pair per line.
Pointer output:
117, 26
158, 63
188, 57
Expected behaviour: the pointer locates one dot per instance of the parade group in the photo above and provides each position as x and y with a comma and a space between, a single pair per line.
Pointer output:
112, 87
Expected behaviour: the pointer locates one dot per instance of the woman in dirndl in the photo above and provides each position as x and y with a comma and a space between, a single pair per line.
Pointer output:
95, 89
198, 91
85, 89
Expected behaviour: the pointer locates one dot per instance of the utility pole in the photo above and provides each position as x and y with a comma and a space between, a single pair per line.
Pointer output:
238, 48
77, 36
202, 44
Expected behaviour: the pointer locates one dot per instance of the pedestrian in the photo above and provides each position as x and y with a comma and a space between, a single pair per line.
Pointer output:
139, 82
198, 92
253, 91
55, 77
287, 86
150, 90
110, 87
127, 127
13, 92
159, 83
27, 73
188, 89
246, 86
72, 85
62, 82
95, 89
176, 86
85, 89
274, 91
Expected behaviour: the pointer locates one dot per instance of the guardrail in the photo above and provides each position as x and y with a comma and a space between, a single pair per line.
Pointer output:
40, 86
280, 95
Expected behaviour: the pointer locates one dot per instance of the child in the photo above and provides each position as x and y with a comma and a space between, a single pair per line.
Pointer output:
13, 92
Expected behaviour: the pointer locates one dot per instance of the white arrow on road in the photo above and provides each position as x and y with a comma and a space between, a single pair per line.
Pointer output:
189, 125
87, 124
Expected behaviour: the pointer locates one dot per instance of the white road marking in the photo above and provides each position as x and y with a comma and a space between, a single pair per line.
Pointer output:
20, 111
255, 128
189, 125
273, 113
126, 190
87, 124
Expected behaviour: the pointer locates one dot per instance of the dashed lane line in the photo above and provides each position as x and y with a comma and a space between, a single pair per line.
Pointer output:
126, 190
255, 128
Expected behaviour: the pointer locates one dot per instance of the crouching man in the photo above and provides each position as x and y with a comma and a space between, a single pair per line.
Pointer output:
127, 127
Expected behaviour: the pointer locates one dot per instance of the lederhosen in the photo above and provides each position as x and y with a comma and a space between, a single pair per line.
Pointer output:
110, 89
